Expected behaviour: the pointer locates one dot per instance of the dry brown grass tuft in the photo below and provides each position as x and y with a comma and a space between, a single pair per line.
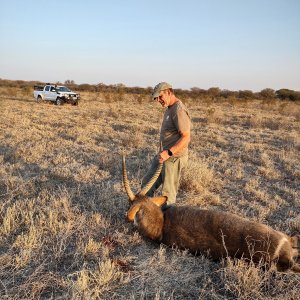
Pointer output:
214, 115
63, 234
199, 183
243, 280
197, 176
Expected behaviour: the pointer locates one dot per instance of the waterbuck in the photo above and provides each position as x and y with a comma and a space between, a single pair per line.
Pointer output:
220, 234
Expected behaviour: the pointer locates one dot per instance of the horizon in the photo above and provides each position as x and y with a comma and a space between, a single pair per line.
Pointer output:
233, 46
142, 87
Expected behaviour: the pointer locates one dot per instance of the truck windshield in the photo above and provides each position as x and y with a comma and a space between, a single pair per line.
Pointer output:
63, 89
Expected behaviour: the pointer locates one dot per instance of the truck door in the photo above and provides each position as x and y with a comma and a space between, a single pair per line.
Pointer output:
52, 93
47, 92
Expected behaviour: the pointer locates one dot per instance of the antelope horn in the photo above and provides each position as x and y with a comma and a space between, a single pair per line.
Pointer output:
147, 187
128, 190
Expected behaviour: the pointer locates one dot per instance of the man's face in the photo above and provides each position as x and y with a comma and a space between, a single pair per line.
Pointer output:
163, 98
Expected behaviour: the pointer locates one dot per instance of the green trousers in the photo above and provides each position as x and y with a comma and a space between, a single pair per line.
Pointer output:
169, 177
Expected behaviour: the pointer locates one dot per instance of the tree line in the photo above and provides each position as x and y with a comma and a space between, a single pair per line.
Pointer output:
214, 92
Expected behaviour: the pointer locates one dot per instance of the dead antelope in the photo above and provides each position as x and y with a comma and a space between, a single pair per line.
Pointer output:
218, 233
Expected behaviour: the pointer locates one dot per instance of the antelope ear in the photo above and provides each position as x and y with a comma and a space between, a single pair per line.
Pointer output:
159, 201
132, 212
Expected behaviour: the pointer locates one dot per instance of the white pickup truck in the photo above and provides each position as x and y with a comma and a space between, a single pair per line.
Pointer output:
57, 94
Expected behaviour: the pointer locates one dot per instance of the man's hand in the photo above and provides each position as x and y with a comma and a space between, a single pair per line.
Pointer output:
163, 156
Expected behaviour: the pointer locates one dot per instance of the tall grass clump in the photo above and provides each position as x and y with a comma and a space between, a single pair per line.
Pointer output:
199, 182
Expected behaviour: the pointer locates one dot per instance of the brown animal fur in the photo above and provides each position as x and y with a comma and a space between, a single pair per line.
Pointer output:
221, 234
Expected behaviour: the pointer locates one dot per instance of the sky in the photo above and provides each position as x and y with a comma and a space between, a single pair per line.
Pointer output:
230, 44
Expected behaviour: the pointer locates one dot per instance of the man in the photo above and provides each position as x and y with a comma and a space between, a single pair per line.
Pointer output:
174, 140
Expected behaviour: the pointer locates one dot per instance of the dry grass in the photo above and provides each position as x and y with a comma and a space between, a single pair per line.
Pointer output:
63, 234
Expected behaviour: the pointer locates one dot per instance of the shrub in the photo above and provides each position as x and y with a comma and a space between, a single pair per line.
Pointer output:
197, 176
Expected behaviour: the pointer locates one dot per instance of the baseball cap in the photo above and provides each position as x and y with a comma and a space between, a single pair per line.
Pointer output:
160, 87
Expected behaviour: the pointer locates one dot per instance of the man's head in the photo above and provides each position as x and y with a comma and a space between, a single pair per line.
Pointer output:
163, 93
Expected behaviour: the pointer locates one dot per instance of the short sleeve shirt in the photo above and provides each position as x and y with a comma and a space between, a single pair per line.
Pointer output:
176, 120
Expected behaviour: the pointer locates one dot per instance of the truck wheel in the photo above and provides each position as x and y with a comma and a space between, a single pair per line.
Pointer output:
59, 101
75, 103
39, 99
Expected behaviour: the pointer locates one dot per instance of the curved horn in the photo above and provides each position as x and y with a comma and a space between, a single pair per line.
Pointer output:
147, 187
128, 190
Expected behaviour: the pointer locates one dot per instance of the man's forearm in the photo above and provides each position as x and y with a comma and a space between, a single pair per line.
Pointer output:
182, 143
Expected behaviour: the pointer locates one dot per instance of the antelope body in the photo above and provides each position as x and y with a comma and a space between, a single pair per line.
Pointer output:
220, 234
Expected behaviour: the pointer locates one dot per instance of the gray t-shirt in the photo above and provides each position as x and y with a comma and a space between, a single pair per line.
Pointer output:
176, 120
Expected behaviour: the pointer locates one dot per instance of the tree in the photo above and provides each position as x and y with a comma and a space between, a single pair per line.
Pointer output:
68, 81
246, 94
227, 94
267, 94
195, 92
214, 91
286, 94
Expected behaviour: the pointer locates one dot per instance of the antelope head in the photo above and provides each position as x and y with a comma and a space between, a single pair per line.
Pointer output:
145, 211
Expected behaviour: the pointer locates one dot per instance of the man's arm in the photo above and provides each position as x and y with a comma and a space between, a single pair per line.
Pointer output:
181, 144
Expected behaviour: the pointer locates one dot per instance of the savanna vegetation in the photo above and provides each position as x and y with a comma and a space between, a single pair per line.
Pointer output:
118, 90
63, 232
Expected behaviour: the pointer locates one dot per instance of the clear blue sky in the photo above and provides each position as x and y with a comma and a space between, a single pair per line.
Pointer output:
231, 44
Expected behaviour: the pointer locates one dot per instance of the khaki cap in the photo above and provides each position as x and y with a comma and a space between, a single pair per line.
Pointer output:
160, 87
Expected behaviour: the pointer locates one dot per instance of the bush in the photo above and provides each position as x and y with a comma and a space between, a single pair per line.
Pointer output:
196, 177
246, 94
286, 94
267, 94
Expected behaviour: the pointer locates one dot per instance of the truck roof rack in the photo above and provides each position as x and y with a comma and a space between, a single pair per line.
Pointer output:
38, 87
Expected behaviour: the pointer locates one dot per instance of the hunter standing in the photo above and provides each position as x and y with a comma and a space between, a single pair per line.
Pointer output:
174, 141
